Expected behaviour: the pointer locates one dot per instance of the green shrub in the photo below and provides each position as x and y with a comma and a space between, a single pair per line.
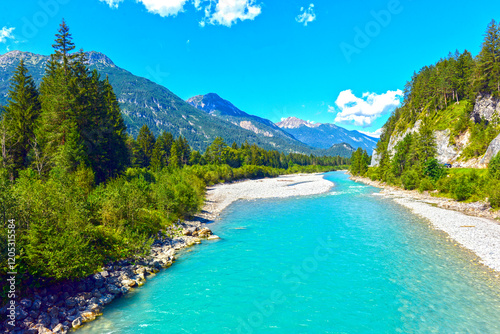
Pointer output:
494, 198
494, 167
444, 185
433, 169
462, 187
410, 179
425, 185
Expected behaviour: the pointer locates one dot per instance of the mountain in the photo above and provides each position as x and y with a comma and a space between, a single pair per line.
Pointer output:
324, 135
214, 105
145, 102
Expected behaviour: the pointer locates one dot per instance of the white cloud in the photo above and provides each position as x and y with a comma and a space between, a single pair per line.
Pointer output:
363, 111
6, 33
307, 15
164, 7
228, 12
374, 134
112, 3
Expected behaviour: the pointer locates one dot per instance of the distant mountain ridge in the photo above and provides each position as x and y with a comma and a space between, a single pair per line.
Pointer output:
145, 102
324, 135
217, 106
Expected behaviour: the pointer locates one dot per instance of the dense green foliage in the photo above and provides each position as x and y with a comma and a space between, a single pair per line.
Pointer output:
443, 96
83, 193
440, 97
360, 160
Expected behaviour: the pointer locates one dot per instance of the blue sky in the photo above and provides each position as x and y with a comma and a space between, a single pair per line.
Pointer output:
341, 61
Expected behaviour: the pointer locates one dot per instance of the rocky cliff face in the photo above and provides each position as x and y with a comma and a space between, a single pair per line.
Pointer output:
486, 108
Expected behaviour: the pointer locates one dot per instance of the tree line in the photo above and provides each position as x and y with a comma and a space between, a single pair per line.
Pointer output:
442, 96
82, 192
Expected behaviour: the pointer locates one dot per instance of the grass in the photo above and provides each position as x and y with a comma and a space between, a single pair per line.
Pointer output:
447, 118
461, 171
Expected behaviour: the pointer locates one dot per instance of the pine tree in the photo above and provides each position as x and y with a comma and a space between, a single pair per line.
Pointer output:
21, 114
59, 124
488, 80
158, 157
146, 141
174, 161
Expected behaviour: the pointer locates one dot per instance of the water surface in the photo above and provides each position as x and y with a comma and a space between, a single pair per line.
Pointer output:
341, 262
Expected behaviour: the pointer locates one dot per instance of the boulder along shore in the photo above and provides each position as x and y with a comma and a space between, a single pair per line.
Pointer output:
472, 225
68, 305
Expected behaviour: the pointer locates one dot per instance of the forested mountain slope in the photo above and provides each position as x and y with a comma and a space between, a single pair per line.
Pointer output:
145, 102
452, 106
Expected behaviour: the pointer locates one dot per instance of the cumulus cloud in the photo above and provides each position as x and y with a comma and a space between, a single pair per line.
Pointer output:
374, 134
6, 33
306, 15
228, 12
362, 111
112, 3
164, 7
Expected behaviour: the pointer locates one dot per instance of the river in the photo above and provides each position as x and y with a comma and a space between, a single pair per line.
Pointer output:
341, 262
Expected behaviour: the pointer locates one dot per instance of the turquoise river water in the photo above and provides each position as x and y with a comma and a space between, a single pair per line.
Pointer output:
340, 262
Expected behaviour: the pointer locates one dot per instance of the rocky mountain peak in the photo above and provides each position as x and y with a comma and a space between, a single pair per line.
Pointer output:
294, 122
15, 56
98, 58
212, 102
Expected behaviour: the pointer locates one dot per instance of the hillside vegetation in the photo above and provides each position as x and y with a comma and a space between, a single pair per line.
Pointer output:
81, 192
443, 97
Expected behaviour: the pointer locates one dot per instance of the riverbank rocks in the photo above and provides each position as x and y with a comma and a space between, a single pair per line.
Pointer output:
213, 237
204, 233
69, 304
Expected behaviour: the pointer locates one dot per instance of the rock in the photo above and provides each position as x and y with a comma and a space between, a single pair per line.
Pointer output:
213, 237
111, 288
53, 312
446, 153
26, 303
186, 232
492, 150
104, 274
44, 330
77, 322
204, 232
36, 304
44, 319
124, 289
129, 283
95, 308
486, 108
96, 294
21, 314
87, 316
34, 314
98, 281
397, 137
375, 159
58, 329
104, 300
